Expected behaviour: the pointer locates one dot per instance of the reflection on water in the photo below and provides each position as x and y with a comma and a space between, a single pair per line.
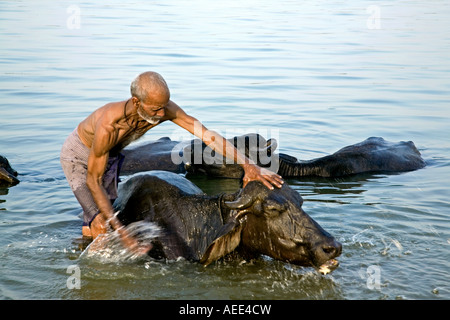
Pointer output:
3, 192
312, 71
161, 280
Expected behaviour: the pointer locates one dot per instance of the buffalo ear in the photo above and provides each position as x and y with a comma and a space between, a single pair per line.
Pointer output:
228, 239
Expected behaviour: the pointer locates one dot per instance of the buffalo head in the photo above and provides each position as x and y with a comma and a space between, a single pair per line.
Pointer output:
7, 173
273, 223
199, 158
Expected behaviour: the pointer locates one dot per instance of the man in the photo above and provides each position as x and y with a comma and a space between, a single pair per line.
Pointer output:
91, 159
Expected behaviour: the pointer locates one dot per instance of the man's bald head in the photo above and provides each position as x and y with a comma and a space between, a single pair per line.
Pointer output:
150, 87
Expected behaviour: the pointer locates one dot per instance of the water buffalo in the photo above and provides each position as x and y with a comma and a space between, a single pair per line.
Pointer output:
183, 156
254, 221
7, 173
372, 155
153, 155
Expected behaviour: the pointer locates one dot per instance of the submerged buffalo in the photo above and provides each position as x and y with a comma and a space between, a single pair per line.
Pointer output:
193, 156
8, 176
254, 221
370, 156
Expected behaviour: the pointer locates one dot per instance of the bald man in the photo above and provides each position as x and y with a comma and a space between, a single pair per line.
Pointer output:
91, 158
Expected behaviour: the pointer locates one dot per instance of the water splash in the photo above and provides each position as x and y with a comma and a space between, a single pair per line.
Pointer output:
108, 247
363, 240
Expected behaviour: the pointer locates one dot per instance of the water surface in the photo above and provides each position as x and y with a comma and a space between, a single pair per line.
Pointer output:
315, 75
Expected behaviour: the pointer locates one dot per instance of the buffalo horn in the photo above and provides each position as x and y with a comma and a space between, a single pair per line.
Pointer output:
243, 202
271, 145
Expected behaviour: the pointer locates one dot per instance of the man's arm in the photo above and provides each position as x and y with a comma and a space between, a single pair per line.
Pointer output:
224, 147
105, 138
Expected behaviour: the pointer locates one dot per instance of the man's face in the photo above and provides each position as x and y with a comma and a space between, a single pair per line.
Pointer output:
154, 116
152, 111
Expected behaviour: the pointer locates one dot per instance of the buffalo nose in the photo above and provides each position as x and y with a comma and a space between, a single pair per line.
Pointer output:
332, 249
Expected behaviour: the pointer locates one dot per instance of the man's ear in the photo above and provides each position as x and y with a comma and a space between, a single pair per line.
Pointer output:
134, 100
228, 239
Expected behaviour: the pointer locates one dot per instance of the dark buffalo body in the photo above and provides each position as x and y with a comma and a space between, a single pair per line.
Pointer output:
8, 176
372, 155
203, 228
154, 155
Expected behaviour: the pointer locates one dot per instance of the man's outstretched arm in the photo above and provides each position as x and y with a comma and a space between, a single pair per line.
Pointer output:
219, 144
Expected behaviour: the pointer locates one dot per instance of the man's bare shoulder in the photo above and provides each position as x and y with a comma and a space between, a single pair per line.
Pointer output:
111, 112
105, 118
173, 111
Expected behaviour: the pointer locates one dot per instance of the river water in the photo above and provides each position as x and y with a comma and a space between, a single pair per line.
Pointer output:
316, 75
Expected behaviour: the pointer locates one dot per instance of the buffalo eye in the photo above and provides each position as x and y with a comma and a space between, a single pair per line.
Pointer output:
292, 243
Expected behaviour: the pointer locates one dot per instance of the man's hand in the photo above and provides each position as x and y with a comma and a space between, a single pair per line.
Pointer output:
132, 244
267, 177
98, 226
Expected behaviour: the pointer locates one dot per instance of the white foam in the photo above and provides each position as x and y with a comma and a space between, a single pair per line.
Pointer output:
108, 247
